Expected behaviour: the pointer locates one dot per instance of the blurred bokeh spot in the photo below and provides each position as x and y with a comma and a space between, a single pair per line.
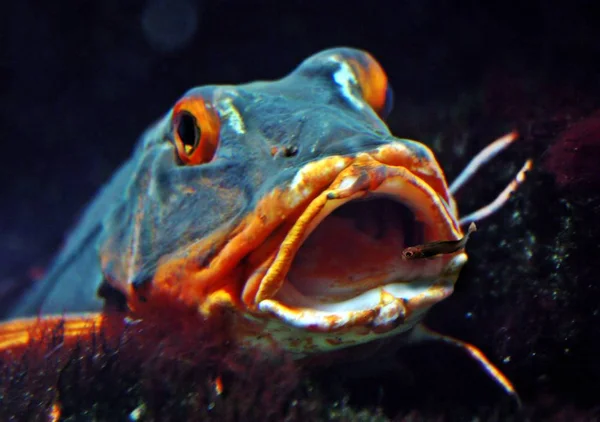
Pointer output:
170, 24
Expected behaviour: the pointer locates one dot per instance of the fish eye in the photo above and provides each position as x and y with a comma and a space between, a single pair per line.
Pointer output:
196, 131
408, 254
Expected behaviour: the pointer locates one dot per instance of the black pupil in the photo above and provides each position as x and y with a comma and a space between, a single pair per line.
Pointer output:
188, 130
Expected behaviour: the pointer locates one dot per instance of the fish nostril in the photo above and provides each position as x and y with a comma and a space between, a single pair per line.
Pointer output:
289, 151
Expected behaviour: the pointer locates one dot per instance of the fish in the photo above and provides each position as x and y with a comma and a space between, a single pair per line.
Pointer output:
283, 204
439, 247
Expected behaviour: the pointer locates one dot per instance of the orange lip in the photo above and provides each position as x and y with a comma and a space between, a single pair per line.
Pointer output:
363, 177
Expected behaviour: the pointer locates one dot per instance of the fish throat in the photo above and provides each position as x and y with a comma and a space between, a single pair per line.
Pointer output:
357, 248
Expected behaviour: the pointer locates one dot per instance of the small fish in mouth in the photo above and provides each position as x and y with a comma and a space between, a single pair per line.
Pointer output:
441, 247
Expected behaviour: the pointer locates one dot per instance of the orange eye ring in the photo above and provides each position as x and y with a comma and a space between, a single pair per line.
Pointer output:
196, 128
373, 82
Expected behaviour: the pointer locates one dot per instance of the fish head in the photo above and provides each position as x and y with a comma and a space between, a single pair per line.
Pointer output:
288, 203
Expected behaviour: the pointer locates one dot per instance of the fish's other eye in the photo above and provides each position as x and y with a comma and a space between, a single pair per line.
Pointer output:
373, 83
371, 79
196, 128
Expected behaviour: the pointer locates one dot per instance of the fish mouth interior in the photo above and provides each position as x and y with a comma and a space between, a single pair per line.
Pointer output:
356, 248
352, 256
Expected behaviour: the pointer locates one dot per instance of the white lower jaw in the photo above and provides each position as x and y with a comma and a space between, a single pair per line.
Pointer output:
383, 306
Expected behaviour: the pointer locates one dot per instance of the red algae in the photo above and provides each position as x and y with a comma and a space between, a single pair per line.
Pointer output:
167, 370
573, 158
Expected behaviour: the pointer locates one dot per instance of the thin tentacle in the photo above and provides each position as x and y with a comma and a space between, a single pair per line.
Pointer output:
497, 203
482, 158
421, 333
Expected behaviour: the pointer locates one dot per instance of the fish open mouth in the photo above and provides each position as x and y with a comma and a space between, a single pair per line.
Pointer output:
340, 263
354, 249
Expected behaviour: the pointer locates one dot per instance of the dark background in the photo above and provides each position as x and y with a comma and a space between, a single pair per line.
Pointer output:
80, 80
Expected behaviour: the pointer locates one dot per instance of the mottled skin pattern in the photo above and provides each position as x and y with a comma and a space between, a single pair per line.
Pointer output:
218, 224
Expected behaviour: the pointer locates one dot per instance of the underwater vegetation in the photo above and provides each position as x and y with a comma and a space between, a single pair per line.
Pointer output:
143, 372
167, 371
574, 157
150, 371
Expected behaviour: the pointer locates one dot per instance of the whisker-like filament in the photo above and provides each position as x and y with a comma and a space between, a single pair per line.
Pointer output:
500, 200
482, 158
